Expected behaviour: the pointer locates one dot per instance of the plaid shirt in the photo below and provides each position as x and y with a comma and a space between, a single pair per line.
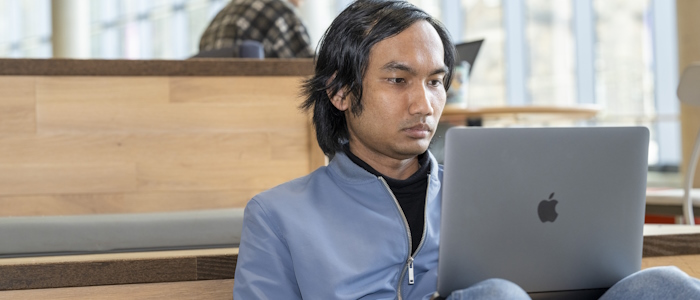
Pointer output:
274, 23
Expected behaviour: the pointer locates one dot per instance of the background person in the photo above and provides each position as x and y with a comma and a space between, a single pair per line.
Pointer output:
274, 23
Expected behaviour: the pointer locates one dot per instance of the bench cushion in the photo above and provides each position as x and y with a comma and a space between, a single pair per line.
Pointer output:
59, 235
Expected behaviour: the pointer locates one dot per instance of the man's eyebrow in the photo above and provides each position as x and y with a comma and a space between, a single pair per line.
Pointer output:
397, 66
442, 70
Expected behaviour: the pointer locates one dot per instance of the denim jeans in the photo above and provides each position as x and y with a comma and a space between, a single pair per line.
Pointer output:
653, 283
491, 289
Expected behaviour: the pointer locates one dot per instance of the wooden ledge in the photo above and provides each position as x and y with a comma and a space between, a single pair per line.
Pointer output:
191, 67
117, 268
185, 290
671, 245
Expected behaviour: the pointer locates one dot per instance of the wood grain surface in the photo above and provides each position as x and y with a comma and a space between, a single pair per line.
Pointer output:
122, 144
190, 290
17, 105
118, 268
688, 263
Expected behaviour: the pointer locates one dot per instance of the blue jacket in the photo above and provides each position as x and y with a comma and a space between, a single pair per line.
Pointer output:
337, 233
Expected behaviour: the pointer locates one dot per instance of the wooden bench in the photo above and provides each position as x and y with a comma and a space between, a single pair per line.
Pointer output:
206, 274
186, 274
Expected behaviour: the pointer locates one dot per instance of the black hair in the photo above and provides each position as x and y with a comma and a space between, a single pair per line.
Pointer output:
343, 58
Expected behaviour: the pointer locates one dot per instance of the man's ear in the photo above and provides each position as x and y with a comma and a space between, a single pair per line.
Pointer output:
339, 100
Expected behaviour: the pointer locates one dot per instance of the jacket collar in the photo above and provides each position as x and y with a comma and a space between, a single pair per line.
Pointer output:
349, 172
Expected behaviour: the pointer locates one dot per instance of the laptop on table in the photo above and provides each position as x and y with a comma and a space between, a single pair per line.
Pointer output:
558, 211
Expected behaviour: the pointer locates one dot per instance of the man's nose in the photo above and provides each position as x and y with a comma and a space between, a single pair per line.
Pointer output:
420, 101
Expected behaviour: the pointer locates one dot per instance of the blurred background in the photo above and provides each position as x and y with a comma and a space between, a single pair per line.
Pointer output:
619, 54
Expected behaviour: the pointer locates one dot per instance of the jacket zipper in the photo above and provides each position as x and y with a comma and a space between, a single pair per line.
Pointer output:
409, 262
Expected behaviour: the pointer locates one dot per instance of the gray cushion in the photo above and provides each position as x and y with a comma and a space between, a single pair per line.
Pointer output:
57, 235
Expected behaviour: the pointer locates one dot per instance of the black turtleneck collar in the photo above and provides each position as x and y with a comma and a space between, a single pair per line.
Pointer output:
410, 193
420, 175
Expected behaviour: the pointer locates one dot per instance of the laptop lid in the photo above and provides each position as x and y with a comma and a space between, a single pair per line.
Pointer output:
550, 209
468, 51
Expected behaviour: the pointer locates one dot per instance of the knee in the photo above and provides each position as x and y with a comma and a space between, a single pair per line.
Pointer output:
656, 283
660, 275
497, 284
503, 289
492, 289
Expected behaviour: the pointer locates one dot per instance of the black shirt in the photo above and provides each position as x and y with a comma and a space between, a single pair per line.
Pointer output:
410, 193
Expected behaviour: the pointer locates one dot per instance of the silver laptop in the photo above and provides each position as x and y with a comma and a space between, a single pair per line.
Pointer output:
558, 211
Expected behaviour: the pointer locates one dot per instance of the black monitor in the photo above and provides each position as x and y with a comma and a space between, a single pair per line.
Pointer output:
222, 52
467, 52
247, 49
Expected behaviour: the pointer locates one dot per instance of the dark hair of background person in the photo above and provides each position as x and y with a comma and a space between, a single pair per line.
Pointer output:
344, 55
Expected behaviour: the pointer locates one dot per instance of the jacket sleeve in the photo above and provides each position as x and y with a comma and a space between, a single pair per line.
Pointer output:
264, 269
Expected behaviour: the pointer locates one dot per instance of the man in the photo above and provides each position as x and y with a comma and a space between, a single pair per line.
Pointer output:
367, 225
274, 23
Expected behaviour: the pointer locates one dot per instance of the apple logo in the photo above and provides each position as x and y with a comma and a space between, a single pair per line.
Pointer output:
547, 209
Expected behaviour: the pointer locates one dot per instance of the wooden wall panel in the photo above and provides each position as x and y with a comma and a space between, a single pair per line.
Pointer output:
268, 89
216, 176
147, 144
152, 147
68, 178
145, 118
316, 156
290, 145
17, 109
104, 90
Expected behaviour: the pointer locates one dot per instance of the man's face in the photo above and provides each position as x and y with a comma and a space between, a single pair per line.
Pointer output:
402, 98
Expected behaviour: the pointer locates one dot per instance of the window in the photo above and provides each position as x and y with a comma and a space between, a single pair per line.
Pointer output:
159, 29
25, 28
551, 76
619, 54
483, 19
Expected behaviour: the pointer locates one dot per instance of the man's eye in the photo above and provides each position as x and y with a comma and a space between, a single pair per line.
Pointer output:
435, 82
397, 80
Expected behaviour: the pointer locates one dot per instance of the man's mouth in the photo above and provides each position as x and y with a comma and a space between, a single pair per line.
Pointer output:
418, 131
